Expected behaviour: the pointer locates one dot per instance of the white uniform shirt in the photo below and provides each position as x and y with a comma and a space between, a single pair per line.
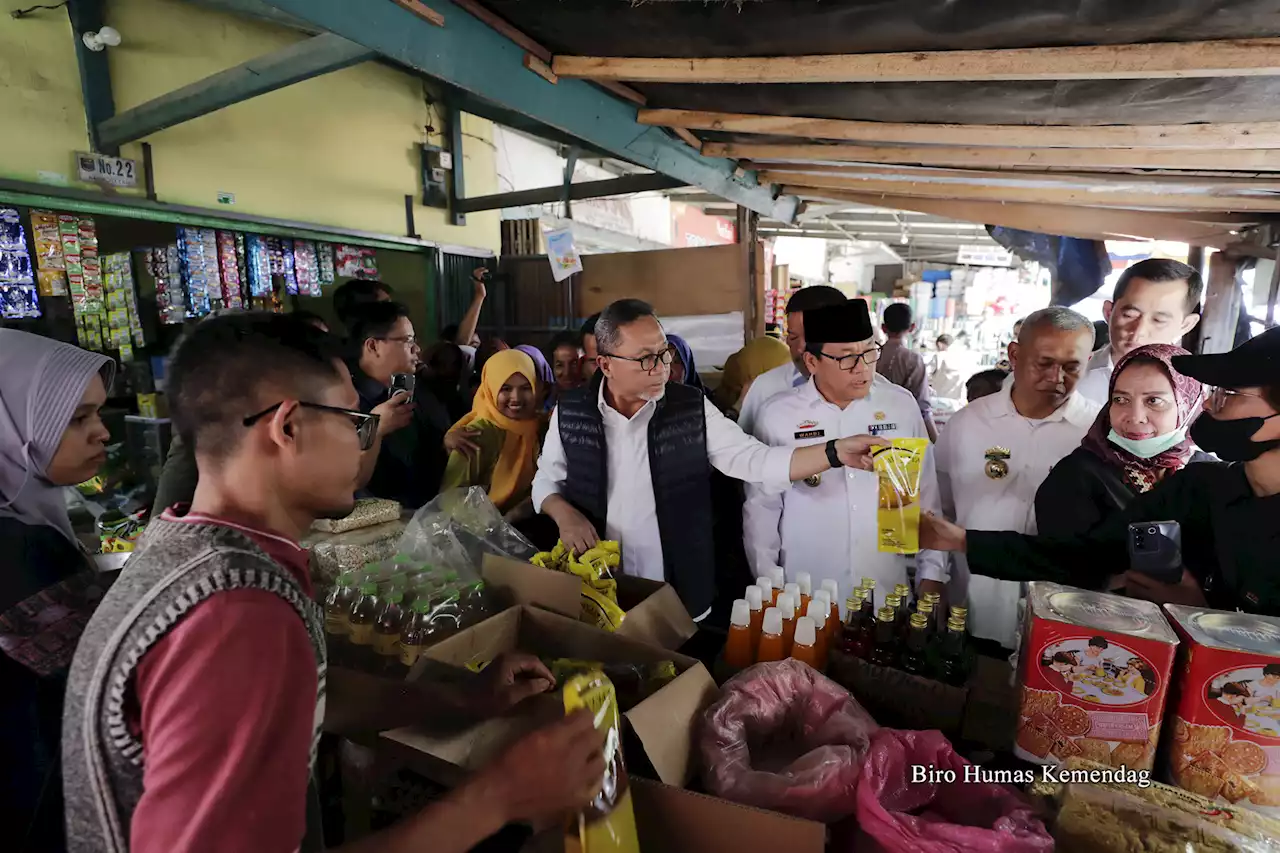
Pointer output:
767, 385
632, 514
830, 529
978, 502
1096, 382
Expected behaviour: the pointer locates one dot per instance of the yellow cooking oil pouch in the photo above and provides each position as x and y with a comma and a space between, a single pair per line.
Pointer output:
898, 468
608, 824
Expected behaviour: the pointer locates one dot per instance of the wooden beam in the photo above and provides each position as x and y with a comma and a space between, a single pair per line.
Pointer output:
623, 91
1064, 220
1100, 196
997, 158
1239, 58
500, 25
1242, 135
688, 138
1008, 177
542, 69
422, 10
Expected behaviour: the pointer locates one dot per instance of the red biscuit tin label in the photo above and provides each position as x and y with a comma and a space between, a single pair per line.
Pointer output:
1225, 743
1093, 677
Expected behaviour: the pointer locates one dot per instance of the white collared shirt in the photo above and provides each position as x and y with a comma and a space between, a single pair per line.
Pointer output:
1095, 385
767, 385
830, 530
977, 501
632, 514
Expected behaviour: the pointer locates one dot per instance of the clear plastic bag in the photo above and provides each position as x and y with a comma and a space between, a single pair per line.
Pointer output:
456, 529
783, 736
897, 815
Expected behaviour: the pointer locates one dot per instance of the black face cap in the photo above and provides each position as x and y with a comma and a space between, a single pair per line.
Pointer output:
849, 323
1254, 363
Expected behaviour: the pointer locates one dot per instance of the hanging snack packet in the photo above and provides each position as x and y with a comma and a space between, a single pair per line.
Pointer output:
898, 467
608, 825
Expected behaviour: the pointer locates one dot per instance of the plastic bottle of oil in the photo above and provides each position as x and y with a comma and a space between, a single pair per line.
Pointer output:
737, 648
766, 588
771, 637
787, 607
755, 602
364, 612
817, 613
805, 647
415, 634
387, 628
804, 580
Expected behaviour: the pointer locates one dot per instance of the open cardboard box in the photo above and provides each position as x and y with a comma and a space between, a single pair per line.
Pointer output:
663, 724
673, 820
655, 614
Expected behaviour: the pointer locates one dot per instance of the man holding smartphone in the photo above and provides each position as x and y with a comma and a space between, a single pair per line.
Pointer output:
384, 349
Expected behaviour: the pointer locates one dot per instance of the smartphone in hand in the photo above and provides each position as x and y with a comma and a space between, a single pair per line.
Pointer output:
403, 382
1155, 549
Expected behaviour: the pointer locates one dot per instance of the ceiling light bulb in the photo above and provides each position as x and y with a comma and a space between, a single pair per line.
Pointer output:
103, 38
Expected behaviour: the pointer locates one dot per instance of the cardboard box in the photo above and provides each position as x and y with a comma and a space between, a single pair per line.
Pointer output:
655, 614
663, 725
673, 820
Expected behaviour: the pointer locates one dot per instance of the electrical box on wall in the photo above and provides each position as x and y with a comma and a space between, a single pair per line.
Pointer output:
436, 166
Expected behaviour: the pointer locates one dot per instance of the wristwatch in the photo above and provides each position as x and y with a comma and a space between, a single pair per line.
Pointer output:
832, 456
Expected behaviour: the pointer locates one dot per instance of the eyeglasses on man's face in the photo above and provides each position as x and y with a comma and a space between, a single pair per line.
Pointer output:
850, 362
366, 425
1219, 397
649, 362
407, 340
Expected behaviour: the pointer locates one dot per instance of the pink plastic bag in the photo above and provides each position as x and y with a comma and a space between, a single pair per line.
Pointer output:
783, 736
896, 815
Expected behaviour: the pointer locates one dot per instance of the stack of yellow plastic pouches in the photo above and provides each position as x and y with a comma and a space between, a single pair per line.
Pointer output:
608, 825
595, 569
899, 467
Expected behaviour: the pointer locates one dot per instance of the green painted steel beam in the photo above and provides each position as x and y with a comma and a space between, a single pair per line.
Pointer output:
470, 56
71, 200
95, 75
308, 58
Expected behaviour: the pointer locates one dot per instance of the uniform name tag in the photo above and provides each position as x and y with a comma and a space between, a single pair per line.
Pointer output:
811, 433
876, 429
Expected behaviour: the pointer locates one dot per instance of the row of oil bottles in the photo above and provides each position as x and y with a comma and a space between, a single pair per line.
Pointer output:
383, 617
776, 620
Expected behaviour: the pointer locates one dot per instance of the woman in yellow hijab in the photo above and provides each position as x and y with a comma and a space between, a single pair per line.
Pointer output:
504, 417
760, 355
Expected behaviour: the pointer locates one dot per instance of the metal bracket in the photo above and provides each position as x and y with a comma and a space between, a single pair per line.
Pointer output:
570, 163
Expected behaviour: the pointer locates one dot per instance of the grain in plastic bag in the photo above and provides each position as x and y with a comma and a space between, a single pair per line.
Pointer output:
898, 815
782, 736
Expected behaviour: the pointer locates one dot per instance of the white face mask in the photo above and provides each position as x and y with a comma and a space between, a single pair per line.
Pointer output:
1148, 448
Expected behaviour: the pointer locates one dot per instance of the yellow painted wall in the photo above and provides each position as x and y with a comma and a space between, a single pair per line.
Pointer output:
338, 150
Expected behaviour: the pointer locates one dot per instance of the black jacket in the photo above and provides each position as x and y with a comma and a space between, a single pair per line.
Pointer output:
36, 558
1229, 541
411, 461
1081, 491
680, 470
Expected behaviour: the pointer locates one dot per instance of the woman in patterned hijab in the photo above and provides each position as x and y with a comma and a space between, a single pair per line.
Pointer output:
1138, 439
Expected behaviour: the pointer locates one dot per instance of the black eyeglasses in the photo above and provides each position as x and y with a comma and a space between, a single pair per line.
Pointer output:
648, 363
407, 340
850, 362
366, 425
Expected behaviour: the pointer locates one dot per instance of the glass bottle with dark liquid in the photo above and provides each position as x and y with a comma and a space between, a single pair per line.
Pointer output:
953, 668
885, 650
851, 637
913, 656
